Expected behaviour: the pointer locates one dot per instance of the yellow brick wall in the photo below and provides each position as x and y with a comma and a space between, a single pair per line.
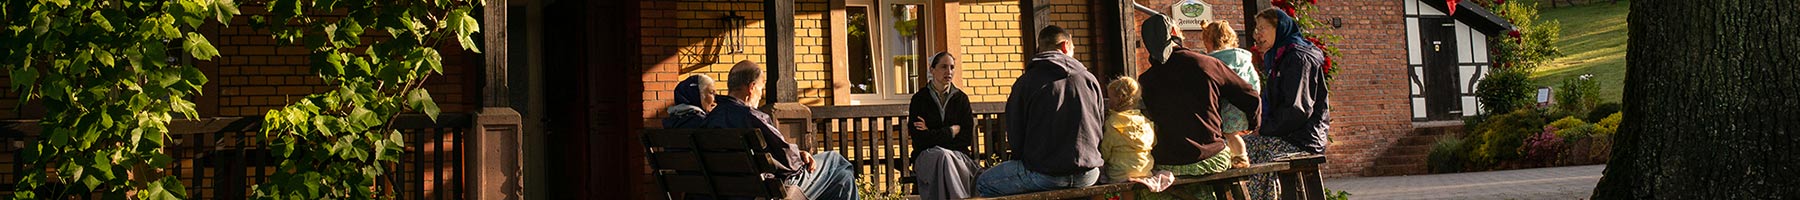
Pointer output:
993, 48
993, 44
991, 40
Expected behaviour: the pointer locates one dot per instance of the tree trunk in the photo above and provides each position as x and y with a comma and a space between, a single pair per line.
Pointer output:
1710, 97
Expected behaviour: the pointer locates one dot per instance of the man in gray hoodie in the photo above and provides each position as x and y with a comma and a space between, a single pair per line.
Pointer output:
1053, 120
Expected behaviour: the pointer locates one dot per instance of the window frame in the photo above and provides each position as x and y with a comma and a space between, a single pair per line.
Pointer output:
880, 21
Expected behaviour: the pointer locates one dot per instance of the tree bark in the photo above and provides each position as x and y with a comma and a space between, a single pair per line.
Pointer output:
1710, 97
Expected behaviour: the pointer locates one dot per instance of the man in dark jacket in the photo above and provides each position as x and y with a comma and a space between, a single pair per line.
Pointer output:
826, 175
1053, 120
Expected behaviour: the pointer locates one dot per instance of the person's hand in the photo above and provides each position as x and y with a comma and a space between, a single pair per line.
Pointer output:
919, 125
954, 129
807, 159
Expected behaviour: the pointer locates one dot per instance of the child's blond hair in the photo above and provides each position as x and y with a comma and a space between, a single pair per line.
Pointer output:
1219, 35
1122, 93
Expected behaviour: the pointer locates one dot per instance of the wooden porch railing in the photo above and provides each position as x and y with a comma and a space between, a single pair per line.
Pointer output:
220, 158
875, 139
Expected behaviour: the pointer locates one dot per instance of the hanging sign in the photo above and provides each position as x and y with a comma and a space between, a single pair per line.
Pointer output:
1192, 15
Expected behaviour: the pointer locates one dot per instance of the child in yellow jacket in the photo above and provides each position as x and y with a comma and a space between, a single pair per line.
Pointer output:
1128, 137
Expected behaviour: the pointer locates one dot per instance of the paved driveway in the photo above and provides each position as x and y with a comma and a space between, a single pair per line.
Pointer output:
1575, 182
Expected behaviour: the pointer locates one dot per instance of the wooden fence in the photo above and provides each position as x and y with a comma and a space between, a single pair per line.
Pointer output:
220, 158
875, 139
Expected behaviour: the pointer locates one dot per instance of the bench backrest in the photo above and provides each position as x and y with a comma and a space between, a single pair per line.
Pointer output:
718, 162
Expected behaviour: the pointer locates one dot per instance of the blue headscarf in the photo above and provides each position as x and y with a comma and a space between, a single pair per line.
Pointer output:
1287, 33
688, 91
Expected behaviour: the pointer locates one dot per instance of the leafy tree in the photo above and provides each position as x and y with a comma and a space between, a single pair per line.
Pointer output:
105, 75
336, 145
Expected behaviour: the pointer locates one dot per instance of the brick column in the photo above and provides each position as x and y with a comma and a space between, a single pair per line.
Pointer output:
497, 161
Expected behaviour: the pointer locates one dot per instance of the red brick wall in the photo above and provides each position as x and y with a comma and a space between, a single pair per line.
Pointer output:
1370, 110
253, 75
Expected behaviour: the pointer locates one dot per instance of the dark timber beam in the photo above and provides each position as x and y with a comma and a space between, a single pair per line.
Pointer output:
778, 29
1251, 7
1120, 49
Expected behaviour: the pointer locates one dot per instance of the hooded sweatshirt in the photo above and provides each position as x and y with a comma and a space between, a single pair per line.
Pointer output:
1054, 116
1238, 60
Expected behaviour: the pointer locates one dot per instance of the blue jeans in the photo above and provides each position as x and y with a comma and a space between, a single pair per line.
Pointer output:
833, 180
1011, 178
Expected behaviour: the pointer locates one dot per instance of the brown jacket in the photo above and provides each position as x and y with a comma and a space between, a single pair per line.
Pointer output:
1181, 97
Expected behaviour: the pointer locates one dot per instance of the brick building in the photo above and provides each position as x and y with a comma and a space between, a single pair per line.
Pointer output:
471, 152
602, 71
588, 76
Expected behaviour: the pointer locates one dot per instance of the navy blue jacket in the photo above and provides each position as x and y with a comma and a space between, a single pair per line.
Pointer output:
732, 113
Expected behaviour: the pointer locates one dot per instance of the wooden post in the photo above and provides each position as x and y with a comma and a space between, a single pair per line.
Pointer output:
792, 118
496, 163
1251, 7
1120, 52
778, 27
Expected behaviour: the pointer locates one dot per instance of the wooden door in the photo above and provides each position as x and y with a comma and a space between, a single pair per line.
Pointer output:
1442, 92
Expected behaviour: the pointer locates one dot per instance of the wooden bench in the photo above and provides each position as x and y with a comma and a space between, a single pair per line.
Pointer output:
711, 162
1299, 176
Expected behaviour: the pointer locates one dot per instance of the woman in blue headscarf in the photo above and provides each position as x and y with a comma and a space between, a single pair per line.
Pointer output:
1295, 100
693, 99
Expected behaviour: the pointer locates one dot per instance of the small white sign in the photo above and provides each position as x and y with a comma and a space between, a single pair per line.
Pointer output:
1191, 15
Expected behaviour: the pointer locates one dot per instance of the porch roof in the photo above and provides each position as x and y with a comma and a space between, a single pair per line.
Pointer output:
1477, 17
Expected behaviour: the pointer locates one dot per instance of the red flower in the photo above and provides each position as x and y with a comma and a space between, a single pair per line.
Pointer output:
1328, 65
1290, 11
1513, 33
1497, 2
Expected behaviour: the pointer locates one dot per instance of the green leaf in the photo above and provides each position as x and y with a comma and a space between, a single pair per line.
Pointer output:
198, 47
194, 77
463, 26
420, 100
193, 14
105, 57
160, 160
223, 10
100, 20
173, 186
58, 3
328, 63
183, 106
24, 77
433, 60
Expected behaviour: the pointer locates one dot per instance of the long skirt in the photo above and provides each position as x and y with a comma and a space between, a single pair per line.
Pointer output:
945, 174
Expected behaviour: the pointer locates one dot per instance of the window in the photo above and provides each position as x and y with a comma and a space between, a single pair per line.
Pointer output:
888, 42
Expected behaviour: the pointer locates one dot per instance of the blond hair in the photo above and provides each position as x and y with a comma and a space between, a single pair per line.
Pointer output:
1219, 35
1126, 91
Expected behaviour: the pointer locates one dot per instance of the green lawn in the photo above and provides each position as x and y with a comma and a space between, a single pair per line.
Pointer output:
1593, 42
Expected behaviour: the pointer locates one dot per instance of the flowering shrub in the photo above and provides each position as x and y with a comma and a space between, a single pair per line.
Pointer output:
1542, 147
